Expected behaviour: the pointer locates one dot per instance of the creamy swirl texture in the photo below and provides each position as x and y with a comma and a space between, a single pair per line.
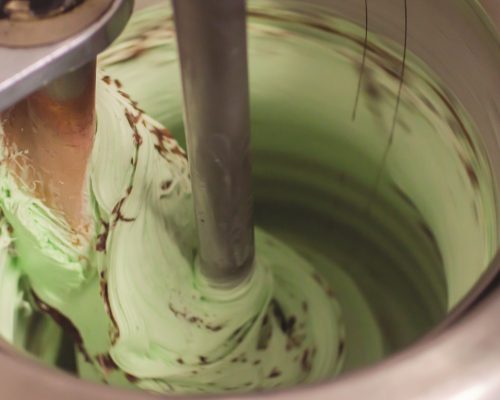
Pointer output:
131, 296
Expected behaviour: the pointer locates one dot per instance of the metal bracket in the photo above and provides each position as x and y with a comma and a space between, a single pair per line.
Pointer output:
37, 31
24, 70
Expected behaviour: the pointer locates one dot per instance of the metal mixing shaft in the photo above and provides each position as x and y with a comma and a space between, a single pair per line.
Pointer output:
211, 36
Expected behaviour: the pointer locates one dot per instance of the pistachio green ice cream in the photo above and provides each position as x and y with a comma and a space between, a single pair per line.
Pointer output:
132, 297
403, 240
335, 287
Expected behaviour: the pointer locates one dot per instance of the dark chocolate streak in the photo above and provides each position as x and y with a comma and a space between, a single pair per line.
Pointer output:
65, 324
194, 319
102, 238
107, 307
106, 362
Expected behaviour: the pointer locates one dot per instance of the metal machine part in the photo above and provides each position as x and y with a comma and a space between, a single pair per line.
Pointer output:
60, 118
462, 360
24, 70
216, 103
27, 27
33, 9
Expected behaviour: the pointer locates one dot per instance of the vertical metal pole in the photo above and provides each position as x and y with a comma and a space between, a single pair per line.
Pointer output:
212, 43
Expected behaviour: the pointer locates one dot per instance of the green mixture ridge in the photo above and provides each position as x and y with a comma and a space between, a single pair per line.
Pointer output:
131, 297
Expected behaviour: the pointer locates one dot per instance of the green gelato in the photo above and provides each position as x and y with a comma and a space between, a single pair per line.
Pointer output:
132, 297
400, 251
343, 276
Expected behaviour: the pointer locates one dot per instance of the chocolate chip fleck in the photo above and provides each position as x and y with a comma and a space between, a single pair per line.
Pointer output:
275, 373
131, 378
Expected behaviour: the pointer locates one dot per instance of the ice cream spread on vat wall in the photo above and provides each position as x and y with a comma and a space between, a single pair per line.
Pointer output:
129, 294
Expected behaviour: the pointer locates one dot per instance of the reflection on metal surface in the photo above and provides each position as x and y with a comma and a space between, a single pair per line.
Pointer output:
25, 10
54, 127
24, 28
29, 69
216, 99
